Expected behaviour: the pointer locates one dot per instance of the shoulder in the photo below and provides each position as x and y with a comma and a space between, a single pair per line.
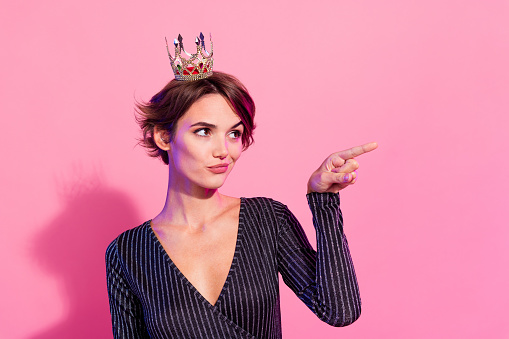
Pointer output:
129, 239
263, 207
262, 203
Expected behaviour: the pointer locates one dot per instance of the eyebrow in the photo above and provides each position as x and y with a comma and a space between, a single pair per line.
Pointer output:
206, 124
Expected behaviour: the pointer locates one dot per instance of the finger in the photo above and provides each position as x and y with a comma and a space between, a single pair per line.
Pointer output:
349, 166
354, 178
326, 179
344, 178
354, 174
351, 181
334, 161
357, 150
343, 182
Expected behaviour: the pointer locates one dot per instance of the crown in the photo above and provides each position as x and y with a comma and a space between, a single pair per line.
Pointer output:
197, 66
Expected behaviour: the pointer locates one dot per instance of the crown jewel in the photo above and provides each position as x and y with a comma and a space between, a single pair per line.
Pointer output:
197, 66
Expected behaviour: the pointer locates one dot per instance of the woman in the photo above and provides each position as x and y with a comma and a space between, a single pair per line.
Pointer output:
207, 265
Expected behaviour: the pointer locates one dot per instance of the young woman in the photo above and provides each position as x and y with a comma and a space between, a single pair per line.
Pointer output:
207, 265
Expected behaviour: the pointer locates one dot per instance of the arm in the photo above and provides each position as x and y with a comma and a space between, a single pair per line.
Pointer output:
125, 307
324, 280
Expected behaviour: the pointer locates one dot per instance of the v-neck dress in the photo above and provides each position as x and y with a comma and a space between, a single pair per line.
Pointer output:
150, 298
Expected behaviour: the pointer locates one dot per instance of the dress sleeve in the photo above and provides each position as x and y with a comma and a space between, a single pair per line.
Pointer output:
324, 279
125, 307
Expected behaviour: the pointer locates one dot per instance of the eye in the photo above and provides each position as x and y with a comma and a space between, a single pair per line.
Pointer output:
202, 132
235, 134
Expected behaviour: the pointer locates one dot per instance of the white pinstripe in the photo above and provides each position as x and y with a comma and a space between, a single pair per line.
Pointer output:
150, 298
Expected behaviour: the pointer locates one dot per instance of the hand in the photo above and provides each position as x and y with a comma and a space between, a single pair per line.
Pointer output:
338, 170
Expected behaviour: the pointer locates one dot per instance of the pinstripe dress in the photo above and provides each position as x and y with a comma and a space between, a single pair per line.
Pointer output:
150, 298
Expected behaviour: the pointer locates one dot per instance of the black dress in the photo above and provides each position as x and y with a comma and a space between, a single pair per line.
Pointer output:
151, 298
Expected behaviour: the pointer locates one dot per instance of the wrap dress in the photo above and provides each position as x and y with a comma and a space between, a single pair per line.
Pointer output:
150, 298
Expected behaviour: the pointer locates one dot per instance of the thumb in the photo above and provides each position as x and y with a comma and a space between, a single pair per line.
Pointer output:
343, 178
331, 178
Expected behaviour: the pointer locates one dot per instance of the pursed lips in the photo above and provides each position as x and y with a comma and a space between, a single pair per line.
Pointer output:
220, 168
220, 165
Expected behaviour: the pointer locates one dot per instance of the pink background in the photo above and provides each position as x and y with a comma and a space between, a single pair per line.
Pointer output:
426, 222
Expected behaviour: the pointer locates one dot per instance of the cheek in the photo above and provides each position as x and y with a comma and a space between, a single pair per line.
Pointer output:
186, 155
194, 157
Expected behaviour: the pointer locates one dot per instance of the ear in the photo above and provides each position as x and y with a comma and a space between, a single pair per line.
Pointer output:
162, 138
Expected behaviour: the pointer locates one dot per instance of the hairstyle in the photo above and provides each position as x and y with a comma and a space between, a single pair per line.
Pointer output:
174, 100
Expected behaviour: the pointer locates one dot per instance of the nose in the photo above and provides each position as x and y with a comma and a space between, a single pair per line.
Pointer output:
220, 150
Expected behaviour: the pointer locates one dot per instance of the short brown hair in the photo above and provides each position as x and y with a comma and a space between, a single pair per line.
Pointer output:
172, 102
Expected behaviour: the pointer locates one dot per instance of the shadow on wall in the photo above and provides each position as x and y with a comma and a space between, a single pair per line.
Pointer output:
72, 248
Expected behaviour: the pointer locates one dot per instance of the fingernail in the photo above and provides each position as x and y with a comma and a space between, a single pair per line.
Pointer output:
346, 178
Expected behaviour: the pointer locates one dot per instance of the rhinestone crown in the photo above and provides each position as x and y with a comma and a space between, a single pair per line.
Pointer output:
197, 66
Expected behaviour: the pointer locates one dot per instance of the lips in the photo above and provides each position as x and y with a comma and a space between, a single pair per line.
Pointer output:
221, 168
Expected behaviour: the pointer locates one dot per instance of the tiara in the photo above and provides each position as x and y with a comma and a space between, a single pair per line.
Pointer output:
197, 66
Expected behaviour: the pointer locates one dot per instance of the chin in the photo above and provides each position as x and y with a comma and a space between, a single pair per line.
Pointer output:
217, 181
210, 181
212, 184
217, 185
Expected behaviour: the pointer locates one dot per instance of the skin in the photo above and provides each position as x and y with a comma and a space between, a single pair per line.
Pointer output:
198, 225
338, 171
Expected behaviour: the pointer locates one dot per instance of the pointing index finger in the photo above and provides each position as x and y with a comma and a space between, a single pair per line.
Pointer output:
358, 150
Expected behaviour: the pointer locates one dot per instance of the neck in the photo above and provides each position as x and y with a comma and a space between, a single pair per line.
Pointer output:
189, 206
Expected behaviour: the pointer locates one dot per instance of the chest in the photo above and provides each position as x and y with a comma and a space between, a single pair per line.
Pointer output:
204, 257
248, 296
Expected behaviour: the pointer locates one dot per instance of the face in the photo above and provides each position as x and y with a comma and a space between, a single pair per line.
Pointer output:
206, 144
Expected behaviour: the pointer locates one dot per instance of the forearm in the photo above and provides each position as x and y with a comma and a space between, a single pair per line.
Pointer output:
336, 299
